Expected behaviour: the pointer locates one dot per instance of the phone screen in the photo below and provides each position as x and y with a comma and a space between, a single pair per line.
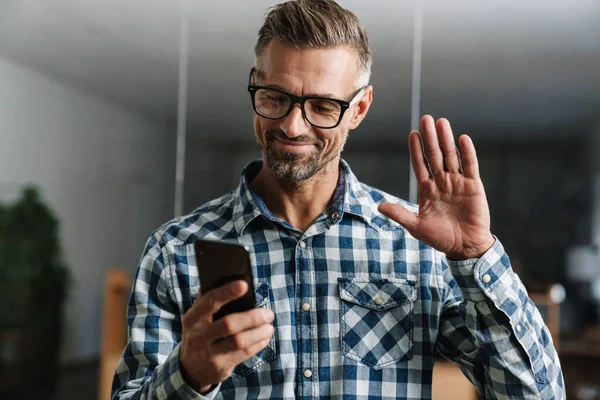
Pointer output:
222, 262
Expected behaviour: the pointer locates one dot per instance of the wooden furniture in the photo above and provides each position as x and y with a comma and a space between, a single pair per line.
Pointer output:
114, 327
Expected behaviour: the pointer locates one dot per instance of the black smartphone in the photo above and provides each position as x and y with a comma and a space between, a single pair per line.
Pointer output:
221, 262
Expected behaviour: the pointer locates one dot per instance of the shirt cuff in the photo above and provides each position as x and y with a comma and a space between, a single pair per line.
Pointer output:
488, 277
171, 383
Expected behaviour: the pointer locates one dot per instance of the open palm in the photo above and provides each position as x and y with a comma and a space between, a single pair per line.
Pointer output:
453, 214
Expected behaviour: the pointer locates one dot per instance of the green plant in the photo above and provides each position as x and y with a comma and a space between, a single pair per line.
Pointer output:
34, 283
30, 253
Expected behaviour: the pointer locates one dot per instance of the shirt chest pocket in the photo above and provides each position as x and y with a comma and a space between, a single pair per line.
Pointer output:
377, 320
268, 353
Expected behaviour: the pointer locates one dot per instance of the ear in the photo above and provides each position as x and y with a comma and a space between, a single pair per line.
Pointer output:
252, 79
361, 108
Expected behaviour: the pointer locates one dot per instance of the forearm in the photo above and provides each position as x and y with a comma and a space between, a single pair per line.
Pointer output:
166, 382
510, 348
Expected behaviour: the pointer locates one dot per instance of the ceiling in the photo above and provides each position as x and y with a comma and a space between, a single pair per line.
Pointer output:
498, 67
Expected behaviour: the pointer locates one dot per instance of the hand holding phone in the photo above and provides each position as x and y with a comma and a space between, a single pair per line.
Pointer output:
211, 349
223, 328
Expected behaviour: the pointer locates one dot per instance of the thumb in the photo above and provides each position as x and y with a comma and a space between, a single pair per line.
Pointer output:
401, 215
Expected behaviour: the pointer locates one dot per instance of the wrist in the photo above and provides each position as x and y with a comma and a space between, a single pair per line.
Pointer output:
194, 383
472, 252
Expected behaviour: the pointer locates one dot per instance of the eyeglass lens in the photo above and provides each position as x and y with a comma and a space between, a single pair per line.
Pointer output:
320, 112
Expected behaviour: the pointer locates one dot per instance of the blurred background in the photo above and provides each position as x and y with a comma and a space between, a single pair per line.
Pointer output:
93, 95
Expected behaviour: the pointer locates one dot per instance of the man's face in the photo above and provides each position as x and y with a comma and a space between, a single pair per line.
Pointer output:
292, 148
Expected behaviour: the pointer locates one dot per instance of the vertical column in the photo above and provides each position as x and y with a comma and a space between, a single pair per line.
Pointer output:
415, 107
182, 107
595, 164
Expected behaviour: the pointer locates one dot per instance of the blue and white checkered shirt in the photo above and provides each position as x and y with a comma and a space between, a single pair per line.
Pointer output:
361, 307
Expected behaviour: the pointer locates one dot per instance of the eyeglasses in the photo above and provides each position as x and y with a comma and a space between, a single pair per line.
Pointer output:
320, 112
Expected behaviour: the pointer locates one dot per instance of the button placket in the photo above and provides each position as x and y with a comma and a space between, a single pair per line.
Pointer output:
306, 357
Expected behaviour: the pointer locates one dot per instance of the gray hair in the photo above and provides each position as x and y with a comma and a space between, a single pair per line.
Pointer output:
318, 24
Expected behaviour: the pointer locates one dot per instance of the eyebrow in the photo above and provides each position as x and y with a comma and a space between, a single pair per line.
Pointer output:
261, 75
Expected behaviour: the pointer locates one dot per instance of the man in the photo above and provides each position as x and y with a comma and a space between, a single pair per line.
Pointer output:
357, 292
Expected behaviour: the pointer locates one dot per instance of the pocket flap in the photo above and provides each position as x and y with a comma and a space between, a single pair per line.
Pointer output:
376, 294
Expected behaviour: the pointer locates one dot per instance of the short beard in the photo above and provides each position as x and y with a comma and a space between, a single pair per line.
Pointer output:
292, 167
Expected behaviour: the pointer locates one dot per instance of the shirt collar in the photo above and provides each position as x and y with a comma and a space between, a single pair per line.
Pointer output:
350, 196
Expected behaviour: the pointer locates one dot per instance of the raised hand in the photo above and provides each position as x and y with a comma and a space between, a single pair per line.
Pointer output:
453, 216
210, 350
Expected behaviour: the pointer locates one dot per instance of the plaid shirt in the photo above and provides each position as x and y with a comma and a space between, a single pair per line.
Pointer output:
361, 307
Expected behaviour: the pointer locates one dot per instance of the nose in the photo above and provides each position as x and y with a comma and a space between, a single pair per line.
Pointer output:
294, 124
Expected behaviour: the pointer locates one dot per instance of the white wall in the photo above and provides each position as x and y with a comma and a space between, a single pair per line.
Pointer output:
106, 171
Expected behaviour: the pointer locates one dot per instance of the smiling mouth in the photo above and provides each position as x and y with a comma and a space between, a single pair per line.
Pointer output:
292, 142
293, 146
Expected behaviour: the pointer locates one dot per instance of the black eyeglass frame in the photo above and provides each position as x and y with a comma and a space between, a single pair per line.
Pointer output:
345, 105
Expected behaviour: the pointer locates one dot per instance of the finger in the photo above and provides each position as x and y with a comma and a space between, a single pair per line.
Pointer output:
211, 302
432, 145
417, 158
449, 149
242, 355
401, 215
238, 322
243, 340
471, 165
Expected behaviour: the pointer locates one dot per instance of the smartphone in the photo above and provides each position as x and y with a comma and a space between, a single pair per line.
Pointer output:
221, 262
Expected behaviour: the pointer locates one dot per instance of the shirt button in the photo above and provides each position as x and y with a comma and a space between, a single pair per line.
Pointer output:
307, 373
379, 301
519, 328
335, 215
306, 306
302, 244
486, 278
